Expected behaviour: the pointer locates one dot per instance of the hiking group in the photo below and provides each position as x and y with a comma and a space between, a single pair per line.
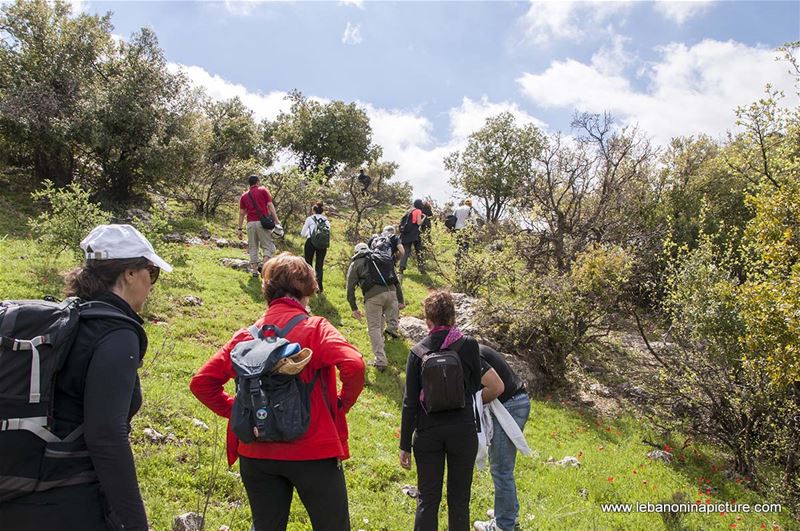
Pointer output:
69, 387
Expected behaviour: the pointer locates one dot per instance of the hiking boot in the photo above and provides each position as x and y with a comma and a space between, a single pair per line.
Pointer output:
380, 367
394, 334
488, 525
256, 275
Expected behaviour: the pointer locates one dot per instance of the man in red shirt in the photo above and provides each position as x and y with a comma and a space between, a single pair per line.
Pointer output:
254, 203
410, 235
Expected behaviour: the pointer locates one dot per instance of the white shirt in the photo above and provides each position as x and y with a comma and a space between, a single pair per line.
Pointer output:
311, 224
463, 215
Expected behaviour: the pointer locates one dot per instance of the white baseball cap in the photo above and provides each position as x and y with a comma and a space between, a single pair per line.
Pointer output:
107, 242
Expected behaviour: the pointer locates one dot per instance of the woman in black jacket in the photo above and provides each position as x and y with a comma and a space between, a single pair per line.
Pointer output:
447, 435
98, 388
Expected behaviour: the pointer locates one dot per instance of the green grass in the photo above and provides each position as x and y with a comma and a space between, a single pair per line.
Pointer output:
181, 475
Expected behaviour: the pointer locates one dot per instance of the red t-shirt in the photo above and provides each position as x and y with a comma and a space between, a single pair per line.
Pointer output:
327, 431
263, 199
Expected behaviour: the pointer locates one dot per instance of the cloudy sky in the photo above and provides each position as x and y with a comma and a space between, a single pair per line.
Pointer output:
429, 74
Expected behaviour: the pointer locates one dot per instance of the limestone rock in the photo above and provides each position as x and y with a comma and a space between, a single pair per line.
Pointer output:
660, 455
413, 328
191, 300
188, 522
235, 263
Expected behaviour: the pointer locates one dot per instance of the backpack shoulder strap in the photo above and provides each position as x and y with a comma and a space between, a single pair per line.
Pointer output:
258, 211
258, 332
421, 349
456, 345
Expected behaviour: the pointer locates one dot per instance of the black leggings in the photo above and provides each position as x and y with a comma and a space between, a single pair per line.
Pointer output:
309, 250
458, 444
320, 484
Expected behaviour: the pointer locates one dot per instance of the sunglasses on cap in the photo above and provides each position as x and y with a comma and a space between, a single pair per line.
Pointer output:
154, 271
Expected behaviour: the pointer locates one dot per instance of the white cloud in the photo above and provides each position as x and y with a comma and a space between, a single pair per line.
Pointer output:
691, 89
406, 136
263, 105
547, 20
407, 140
681, 11
352, 34
355, 3
613, 59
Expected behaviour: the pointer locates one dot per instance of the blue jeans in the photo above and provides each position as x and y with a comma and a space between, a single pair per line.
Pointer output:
502, 458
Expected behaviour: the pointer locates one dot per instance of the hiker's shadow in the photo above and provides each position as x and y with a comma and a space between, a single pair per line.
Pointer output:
320, 305
252, 287
391, 382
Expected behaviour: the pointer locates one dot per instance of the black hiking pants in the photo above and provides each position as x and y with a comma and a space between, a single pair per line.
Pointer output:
458, 445
320, 484
419, 250
311, 253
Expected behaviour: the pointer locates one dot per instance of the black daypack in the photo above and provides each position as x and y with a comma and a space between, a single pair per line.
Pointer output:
405, 225
381, 268
37, 337
320, 234
442, 376
269, 406
450, 221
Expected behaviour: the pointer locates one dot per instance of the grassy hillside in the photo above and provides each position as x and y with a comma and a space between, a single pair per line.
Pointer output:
187, 471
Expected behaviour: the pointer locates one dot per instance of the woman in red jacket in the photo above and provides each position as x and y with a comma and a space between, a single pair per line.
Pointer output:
312, 463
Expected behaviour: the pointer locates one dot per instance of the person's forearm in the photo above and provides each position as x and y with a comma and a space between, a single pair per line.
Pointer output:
241, 218
274, 214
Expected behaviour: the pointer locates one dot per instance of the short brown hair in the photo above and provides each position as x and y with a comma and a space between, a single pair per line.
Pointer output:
318, 207
439, 308
287, 275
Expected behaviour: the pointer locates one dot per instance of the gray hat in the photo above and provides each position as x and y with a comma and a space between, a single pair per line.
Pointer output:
389, 229
361, 247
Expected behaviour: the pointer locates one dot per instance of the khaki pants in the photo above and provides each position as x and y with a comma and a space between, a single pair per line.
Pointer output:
258, 237
381, 308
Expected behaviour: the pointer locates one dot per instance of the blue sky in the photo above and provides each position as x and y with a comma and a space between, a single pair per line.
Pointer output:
429, 73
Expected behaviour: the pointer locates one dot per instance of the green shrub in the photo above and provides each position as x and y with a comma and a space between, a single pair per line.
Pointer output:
70, 215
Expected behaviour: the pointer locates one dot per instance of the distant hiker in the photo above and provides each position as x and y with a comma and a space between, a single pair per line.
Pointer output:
364, 179
65, 456
273, 464
443, 374
373, 270
465, 217
511, 394
410, 225
257, 205
317, 230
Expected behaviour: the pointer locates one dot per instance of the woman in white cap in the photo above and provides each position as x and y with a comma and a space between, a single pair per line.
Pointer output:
98, 388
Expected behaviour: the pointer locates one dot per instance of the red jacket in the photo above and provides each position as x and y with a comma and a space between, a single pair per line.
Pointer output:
327, 434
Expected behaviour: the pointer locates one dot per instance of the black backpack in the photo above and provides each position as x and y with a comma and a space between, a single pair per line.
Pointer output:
405, 223
381, 268
36, 338
450, 221
269, 406
442, 376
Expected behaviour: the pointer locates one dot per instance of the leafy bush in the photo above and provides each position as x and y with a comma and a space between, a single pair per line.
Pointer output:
553, 315
70, 215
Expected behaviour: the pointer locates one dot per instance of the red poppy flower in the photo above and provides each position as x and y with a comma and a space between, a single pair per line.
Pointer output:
611, 479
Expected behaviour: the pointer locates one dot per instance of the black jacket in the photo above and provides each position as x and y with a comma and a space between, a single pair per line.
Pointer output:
414, 417
99, 387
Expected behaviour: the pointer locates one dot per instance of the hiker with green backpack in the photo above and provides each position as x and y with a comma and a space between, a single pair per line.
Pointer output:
69, 388
317, 230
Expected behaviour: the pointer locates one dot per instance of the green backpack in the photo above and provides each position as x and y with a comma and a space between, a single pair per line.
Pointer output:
321, 234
